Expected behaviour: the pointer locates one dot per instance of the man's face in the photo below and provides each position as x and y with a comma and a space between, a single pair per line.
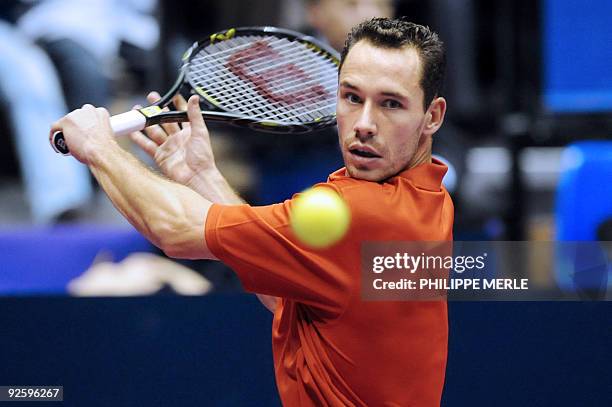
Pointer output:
334, 18
382, 126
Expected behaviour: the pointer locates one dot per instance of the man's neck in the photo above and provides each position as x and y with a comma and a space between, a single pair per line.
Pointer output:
420, 157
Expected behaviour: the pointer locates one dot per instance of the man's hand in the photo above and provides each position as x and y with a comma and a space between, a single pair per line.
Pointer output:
87, 132
185, 156
181, 153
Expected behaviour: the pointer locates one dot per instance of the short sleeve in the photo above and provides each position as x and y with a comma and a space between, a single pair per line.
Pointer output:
258, 244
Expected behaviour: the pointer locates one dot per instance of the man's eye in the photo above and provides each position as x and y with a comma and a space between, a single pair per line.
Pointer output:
392, 104
352, 98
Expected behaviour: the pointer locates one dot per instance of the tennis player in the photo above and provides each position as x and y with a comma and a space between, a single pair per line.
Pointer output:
331, 348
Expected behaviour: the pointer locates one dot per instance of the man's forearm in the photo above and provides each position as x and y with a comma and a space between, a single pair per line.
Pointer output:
213, 186
171, 215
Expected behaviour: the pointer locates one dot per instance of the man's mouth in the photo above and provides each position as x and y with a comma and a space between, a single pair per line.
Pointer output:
364, 152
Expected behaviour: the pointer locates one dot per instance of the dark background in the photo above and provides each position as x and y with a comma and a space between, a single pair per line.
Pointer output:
215, 351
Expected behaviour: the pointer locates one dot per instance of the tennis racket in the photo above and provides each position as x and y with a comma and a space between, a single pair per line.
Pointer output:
263, 78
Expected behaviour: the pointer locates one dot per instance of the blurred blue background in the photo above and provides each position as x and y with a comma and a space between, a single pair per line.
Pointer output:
577, 56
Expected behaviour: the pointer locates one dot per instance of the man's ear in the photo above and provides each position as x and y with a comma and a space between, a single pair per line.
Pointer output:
435, 116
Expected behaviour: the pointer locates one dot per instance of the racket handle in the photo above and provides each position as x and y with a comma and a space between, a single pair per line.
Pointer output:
122, 125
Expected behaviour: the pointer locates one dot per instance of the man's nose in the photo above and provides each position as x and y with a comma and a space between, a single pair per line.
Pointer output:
365, 126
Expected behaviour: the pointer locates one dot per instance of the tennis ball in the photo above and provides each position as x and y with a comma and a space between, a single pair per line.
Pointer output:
319, 217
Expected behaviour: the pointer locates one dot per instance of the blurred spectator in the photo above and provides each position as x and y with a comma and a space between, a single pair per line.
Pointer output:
84, 41
332, 20
138, 274
54, 186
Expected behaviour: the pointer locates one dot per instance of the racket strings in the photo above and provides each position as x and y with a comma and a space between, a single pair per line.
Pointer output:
266, 63
287, 59
244, 101
304, 70
323, 79
237, 90
296, 81
217, 50
225, 47
198, 70
236, 94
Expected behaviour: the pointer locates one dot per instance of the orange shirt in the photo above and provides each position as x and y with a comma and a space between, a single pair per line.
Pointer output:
331, 348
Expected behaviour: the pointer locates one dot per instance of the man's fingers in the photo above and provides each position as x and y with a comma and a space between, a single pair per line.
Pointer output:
157, 134
56, 126
148, 146
195, 117
153, 97
170, 128
179, 102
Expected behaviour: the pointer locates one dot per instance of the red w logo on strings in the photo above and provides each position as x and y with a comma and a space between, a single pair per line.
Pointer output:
269, 83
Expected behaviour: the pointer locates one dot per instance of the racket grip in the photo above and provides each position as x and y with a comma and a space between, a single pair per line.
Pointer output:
122, 125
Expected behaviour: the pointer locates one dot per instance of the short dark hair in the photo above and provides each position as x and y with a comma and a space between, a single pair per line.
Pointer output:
398, 33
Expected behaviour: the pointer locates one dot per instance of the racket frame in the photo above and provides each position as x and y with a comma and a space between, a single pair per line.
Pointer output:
154, 114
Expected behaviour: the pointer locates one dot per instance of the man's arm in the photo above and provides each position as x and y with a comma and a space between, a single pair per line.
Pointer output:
184, 155
170, 215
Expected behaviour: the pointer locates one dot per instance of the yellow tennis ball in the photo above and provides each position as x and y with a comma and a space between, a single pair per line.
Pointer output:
319, 217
